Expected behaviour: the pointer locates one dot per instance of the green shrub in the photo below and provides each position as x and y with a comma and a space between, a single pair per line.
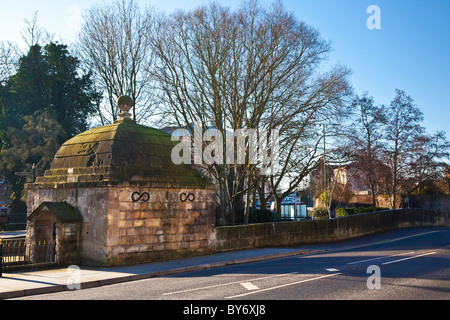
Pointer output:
258, 216
321, 214
344, 212
255, 216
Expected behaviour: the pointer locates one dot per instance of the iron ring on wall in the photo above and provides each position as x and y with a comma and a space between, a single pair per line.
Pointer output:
184, 197
144, 196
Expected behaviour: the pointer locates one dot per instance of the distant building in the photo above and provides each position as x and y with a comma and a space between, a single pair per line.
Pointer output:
349, 185
352, 179
5, 194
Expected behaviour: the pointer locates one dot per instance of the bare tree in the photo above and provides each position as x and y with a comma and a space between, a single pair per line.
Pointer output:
365, 141
34, 34
337, 165
10, 52
253, 68
114, 44
402, 124
429, 159
8, 60
300, 148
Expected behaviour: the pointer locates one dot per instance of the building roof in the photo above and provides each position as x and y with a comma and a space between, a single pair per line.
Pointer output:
63, 211
122, 152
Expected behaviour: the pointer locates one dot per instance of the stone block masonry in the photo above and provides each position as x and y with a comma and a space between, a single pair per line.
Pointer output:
117, 230
291, 233
135, 204
161, 228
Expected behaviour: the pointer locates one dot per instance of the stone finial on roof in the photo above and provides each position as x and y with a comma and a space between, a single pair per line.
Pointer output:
125, 103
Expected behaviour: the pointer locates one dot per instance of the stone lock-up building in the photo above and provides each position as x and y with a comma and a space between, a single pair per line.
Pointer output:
113, 196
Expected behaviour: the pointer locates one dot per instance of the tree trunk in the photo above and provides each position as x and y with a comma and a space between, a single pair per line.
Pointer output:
278, 203
394, 178
247, 197
263, 200
394, 193
223, 205
374, 199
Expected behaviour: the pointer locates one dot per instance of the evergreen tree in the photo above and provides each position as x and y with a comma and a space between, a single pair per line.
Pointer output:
43, 104
48, 79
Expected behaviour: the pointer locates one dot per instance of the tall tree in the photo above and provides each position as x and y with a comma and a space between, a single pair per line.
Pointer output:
8, 61
46, 101
114, 43
253, 68
402, 124
429, 160
365, 141
48, 79
35, 143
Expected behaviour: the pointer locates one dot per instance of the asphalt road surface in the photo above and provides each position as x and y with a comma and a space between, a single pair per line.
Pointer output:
412, 264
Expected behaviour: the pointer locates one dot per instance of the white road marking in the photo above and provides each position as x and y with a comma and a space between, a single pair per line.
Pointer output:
332, 269
228, 283
282, 286
420, 255
327, 251
306, 256
398, 239
382, 257
249, 286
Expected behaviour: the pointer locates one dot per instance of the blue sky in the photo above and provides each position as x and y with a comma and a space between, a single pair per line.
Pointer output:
411, 51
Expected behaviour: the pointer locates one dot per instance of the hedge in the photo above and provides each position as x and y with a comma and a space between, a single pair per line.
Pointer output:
344, 212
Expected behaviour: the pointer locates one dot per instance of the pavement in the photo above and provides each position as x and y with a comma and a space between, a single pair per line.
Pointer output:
13, 234
19, 284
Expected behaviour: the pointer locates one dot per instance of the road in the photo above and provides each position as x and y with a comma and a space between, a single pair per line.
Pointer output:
407, 264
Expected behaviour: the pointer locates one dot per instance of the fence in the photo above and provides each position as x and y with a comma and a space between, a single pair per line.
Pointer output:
13, 253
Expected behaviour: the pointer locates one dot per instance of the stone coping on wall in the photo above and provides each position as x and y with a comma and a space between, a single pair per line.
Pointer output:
292, 233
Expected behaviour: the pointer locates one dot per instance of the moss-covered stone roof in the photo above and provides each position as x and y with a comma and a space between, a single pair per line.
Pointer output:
123, 152
63, 211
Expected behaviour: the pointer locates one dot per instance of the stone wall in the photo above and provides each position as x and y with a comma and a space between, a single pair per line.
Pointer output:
162, 228
355, 200
93, 206
117, 230
383, 201
317, 231
438, 202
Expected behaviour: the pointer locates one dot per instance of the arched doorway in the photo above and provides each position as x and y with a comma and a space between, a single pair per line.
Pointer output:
45, 237
54, 233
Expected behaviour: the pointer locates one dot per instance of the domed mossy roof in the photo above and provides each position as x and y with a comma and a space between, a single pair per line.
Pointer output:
123, 152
